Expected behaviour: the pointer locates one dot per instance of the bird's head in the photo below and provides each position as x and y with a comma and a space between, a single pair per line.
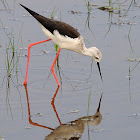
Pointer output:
97, 56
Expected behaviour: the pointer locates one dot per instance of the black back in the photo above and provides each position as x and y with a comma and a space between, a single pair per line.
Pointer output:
51, 25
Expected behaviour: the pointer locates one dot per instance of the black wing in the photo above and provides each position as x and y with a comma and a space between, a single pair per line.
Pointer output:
51, 25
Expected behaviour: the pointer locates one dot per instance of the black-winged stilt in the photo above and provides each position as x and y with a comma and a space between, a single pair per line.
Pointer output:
66, 37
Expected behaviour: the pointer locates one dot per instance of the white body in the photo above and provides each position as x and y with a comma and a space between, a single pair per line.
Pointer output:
73, 44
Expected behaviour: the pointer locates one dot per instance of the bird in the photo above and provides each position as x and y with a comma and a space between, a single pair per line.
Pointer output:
66, 37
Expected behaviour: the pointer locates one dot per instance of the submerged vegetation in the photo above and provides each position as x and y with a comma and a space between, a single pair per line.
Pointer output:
53, 13
89, 102
88, 6
12, 53
108, 8
12, 59
5, 4
133, 57
116, 6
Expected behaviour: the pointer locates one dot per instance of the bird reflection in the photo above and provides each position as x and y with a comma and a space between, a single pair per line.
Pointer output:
29, 113
72, 130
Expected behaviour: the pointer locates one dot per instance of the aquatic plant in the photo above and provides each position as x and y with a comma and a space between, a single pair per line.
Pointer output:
135, 56
12, 60
133, 1
110, 7
5, 4
53, 13
88, 102
52, 17
88, 6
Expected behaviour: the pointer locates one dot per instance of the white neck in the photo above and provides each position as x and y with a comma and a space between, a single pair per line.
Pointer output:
87, 52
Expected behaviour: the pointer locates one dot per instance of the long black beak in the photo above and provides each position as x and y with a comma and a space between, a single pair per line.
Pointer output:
99, 70
98, 109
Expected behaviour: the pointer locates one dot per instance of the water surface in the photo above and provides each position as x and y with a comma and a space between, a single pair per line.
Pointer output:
119, 65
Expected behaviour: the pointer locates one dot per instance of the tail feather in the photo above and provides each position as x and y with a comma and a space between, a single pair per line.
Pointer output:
51, 25
30, 11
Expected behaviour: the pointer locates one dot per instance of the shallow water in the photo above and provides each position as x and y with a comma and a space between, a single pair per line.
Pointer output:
119, 66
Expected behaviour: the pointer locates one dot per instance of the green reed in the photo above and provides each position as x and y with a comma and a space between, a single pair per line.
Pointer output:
110, 3
12, 54
9, 58
88, 102
53, 13
88, 6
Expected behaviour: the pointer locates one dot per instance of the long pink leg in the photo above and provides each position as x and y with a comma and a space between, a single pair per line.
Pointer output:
30, 45
52, 68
